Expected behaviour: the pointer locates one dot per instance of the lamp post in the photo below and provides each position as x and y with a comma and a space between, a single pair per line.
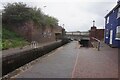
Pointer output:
93, 23
63, 31
44, 8
63, 25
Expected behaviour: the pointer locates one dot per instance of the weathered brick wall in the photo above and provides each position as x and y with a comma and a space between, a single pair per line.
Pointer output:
32, 32
24, 30
100, 34
59, 32
96, 33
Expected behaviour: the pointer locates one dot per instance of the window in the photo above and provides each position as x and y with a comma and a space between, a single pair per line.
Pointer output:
107, 33
118, 33
118, 15
107, 20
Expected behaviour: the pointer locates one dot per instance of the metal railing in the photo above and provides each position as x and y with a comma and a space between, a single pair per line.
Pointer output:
97, 45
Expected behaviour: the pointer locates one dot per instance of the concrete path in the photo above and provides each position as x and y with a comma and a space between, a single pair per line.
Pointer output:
71, 61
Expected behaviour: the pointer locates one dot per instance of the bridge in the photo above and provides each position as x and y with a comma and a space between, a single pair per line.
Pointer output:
78, 35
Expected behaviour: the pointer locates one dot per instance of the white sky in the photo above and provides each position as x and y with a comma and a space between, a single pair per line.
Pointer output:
76, 15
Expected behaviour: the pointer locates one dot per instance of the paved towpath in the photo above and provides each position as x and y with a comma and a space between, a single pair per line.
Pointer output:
72, 61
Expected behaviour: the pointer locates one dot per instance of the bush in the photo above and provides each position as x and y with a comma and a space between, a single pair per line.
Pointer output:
11, 40
51, 21
17, 13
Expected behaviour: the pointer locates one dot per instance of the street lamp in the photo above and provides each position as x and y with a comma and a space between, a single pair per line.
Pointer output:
63, 25
93, 23
44, 6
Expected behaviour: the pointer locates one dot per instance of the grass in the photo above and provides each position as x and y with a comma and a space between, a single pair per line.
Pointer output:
0, 37
0, 44
11, 39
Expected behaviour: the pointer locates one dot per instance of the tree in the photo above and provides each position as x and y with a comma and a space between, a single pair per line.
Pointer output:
51, 21
17, 13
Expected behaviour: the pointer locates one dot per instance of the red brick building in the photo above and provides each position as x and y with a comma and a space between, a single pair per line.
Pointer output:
96, 33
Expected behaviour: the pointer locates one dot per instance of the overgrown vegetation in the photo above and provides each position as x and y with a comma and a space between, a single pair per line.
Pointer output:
11, 39
17, 13
0, 40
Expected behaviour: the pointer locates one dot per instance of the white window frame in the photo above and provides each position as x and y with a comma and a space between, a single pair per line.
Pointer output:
117, 33
118, 14
107, 19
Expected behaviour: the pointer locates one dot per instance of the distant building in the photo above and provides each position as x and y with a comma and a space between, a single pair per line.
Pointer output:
59, 32
77, 35
96, 33
112, 26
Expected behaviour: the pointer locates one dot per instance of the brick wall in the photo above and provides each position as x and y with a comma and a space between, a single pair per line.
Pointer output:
32, 32
97, 33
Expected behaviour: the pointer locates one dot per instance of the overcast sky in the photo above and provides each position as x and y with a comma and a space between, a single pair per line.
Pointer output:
76, 15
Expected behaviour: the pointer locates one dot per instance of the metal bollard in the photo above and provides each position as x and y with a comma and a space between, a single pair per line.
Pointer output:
34, 44
99, 46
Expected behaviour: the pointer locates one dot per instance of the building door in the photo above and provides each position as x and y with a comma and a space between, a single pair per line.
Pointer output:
111, 36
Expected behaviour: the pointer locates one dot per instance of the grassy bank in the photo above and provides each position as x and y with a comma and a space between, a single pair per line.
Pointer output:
11, 40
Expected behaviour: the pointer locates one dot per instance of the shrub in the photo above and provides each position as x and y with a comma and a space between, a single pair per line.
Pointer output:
17, 13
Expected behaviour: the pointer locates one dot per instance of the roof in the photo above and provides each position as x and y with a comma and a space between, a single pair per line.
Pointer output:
118, 5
